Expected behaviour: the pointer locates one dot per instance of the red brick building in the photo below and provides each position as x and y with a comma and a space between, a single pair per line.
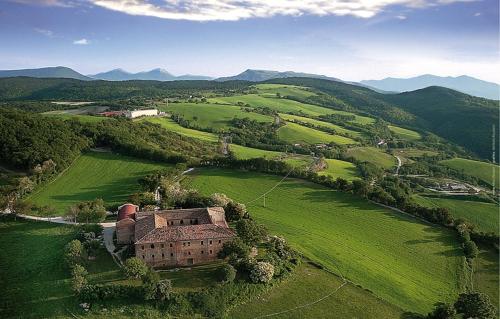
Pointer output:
179, 237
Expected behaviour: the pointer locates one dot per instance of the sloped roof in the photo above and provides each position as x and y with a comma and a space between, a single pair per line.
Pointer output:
153, 226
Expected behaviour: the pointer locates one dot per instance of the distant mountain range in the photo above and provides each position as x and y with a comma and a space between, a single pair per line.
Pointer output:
263, 75
153, 75
464, 84
50, 72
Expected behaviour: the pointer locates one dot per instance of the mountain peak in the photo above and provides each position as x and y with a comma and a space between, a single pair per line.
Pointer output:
47, 72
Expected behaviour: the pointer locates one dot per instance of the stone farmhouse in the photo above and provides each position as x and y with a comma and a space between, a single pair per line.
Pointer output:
178, 237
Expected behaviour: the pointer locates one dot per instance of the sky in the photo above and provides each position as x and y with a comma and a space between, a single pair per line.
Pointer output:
347, 39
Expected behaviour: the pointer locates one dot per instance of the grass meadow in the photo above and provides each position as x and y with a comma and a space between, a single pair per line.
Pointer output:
171, 125
404, 133
213, 116
351, 236
284, 90
109, 176
294, 133
343, 169
373, 155
483, 215
309, 284
337, 128
486, 172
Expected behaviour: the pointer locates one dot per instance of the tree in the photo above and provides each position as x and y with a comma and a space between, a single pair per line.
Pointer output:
163, 290
262, 272
470, 249
150, 281
475, 305
92, 246
227, 273
79, 280
74, 253
235, 211
250, 232
236, 247
25, 185
135, 268
219, 199
22, 207
442, 311
90, 211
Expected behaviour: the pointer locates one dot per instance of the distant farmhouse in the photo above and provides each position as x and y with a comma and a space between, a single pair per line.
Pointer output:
138, 113
179, 237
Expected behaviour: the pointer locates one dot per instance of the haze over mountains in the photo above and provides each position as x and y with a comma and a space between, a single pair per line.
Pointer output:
464, 84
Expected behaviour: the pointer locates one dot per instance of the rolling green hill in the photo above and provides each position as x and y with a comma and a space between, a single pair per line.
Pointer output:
484, 171
483, 215
337, 128
171, 125
405, 133
294, 133
94, 175
284, 90
372, 155
338, 168
400, 259
213, 116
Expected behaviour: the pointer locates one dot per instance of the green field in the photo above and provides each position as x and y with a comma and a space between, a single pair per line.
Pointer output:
171, 125
483, 215
405, 133
309, 284
243, 152
373, 155
400, 259
343, 169
337, 128
294, 133
486, 172
285, 90
299, 161
283, 105
486, 273
213, 116
33, 281
94, 175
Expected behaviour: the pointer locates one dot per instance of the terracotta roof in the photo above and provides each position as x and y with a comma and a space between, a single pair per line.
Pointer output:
191, 232
153, 226
127, 211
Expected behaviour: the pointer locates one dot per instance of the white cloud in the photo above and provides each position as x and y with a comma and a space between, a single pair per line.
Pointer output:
45, 32
233, 10
477, 14
48, 3
81, 42
401, 17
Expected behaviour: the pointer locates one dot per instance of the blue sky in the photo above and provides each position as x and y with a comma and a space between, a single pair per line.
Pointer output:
351, 40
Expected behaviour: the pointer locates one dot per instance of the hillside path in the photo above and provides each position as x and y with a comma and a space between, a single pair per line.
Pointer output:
399, 165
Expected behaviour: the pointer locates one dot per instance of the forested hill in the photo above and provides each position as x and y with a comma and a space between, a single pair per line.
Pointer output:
25, 88
463, 119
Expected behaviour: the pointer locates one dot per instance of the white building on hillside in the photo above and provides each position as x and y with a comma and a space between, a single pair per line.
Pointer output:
138, 113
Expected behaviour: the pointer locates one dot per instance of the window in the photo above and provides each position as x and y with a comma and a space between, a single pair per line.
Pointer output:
182, 221
210, 242
183, 244
142, 256
171, 254
162, 246
152, 246
189, 243
153, 256
210, 251
162, 255
189, 253
171, 245
202, 252
219, 241
142, 247
202, 242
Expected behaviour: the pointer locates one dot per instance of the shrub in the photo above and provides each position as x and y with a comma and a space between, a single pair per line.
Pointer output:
226, 273
470, 249
79, 280
74, 253
107, 292
135, 268
250, 232
92, 246
150, 281
235, 211
475, 305
163, 290
442, 311
219, 199
262, 272
235, 247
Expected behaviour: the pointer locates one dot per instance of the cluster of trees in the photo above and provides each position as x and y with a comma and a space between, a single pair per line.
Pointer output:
468, 305
88, 211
